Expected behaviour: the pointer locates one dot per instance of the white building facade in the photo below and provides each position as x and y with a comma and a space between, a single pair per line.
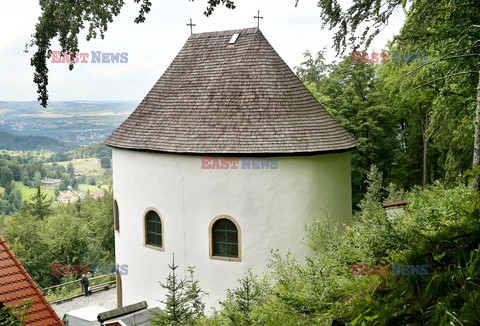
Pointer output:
270, 208
220, 178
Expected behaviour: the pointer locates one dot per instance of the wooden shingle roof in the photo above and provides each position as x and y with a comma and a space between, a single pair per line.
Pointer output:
16, 285
224, 98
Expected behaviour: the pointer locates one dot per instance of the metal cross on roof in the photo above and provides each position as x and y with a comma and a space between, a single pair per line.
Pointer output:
191, 26
258, 19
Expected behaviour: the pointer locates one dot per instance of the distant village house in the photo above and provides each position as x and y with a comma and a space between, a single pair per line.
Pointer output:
67, 197
51, 182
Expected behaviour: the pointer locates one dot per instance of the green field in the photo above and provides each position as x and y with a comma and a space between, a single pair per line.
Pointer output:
93, 189
28, 192
89, 166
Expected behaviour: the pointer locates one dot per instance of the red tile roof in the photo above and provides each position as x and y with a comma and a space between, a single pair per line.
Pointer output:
16, 285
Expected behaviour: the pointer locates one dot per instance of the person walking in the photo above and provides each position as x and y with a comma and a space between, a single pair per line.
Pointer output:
84, 282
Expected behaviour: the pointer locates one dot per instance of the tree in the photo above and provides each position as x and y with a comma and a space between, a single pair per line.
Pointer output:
8, 188
63, 20
63, 184
176, 310
414, 107
374, 190
105, 163
450, 33
70, 168
98, 215
67, 236
448, 30
6, 176
37, 179
312, 70
195, 295
22, 231
183, 303
38, 206
15, 199
350, 93
241, 301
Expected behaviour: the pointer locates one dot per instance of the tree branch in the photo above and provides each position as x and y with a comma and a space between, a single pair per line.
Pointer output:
444, 77
438, 60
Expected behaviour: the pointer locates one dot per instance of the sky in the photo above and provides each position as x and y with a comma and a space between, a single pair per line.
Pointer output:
152, 46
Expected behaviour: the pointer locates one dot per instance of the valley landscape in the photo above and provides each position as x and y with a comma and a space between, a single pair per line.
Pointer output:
61, 125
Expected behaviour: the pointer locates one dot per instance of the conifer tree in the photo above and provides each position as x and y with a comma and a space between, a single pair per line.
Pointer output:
195, 294
241, 302
38, 206
183, 304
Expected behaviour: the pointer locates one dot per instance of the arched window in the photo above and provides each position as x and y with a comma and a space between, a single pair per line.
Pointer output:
225, 239
116, 220
153, 229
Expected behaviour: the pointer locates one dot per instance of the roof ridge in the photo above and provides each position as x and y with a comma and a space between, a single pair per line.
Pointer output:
249, 30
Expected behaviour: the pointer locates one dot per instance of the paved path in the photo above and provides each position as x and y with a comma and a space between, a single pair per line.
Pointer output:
107, 299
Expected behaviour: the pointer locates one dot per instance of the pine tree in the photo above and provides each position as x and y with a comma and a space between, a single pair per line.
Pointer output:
241, 302
183, 304
195, 294
38, 206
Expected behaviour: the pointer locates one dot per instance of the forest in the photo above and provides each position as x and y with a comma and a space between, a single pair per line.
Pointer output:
414, 137
21, 172
31, 143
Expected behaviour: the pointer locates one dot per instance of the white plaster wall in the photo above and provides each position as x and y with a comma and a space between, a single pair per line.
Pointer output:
271, 207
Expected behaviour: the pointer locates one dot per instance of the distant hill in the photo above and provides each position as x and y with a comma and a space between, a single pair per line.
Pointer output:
73, 122
96, 150
13, 142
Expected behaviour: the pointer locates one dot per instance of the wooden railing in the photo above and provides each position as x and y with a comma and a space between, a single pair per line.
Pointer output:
92, 288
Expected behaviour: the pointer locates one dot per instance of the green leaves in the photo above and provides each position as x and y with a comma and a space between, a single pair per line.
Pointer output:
144, 9
214, 3
14, 315
347, 22
439, 257
362, 318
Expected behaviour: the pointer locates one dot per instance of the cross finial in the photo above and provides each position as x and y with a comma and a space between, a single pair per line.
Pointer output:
191, 26
258, 19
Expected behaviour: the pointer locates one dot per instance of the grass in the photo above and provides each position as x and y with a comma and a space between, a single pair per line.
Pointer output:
89, 166
28, 192
93, 189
